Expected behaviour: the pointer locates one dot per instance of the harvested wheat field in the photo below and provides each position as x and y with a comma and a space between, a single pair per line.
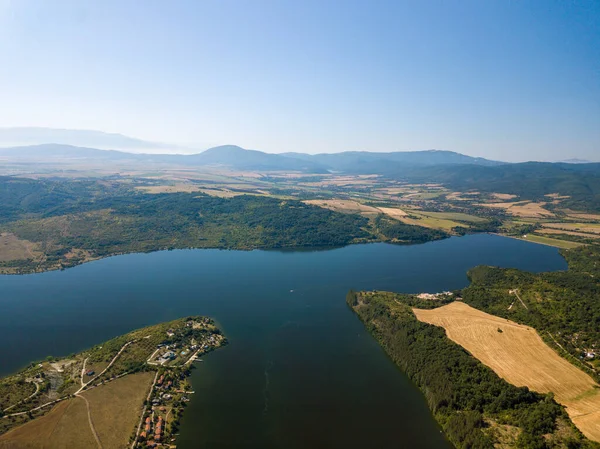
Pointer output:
560, 231
503, 196
393, 212
114, 410
348, 206
520, 356
522, 209
177, 188
116, 407
592, 228
65, 426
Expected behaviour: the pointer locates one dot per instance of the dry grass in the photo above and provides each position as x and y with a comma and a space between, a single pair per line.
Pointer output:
222, 193
116, 408
519, 355
557, 196
347, 206
65, 426
176, 188
13, 248
427, 220
393, 212
591, 228
522, 209
557, 243
560, 231
503, 196
582, 216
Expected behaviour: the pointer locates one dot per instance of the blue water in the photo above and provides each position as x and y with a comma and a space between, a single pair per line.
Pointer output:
300, 370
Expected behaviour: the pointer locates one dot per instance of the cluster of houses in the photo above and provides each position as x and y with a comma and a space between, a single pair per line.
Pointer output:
163, 384
157, 434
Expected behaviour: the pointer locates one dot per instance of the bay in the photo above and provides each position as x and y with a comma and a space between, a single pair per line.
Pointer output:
300, 371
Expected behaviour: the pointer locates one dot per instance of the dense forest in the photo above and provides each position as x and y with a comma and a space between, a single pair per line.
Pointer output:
475, 407
75, 221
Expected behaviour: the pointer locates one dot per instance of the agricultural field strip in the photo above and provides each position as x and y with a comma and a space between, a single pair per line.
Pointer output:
519, 355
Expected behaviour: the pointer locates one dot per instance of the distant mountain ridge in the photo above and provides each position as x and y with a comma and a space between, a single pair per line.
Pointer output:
25, 136
239, 158
531, 180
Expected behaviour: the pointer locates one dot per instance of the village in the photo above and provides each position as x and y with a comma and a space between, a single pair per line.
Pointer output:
144, 373
170, 391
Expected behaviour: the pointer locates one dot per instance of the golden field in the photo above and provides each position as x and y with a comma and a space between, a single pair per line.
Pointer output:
518, 354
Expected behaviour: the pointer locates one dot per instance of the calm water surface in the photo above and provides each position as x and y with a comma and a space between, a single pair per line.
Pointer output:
300, 370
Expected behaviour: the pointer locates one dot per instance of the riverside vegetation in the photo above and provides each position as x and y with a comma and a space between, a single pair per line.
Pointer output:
475, 407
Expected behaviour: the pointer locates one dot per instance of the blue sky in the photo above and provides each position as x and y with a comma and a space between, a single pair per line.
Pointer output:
512, 80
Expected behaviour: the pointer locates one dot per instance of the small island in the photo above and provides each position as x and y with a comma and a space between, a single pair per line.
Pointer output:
127, 392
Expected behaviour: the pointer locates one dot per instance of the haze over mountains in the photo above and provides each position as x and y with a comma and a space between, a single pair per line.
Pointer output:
239, 158
46, 144
21, 136
577, 179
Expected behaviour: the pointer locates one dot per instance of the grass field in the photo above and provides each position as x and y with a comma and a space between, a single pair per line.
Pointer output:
13, 248
116, 408
551, 242
429, 221
454, 216
522, 209
593, 228
347, 206
550, 231
519, 355
65, 426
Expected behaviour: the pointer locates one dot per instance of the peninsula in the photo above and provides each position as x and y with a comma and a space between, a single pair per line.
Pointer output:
509, 361
129, 391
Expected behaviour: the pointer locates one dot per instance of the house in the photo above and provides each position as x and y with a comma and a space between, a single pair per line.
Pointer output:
90, 372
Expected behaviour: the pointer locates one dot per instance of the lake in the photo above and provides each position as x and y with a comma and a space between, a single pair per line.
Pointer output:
300, 371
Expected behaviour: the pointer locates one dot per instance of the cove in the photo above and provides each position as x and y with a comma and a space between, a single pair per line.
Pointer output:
300, 370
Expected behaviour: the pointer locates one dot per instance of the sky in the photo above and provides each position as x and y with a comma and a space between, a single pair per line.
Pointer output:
503, 79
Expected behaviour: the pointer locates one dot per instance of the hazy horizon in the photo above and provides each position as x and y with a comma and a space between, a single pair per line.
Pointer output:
504, 81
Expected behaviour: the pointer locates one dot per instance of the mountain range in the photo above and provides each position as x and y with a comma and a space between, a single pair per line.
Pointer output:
580, 181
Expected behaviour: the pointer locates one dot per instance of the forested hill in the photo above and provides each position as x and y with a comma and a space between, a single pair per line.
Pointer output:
57, 224
529, 180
